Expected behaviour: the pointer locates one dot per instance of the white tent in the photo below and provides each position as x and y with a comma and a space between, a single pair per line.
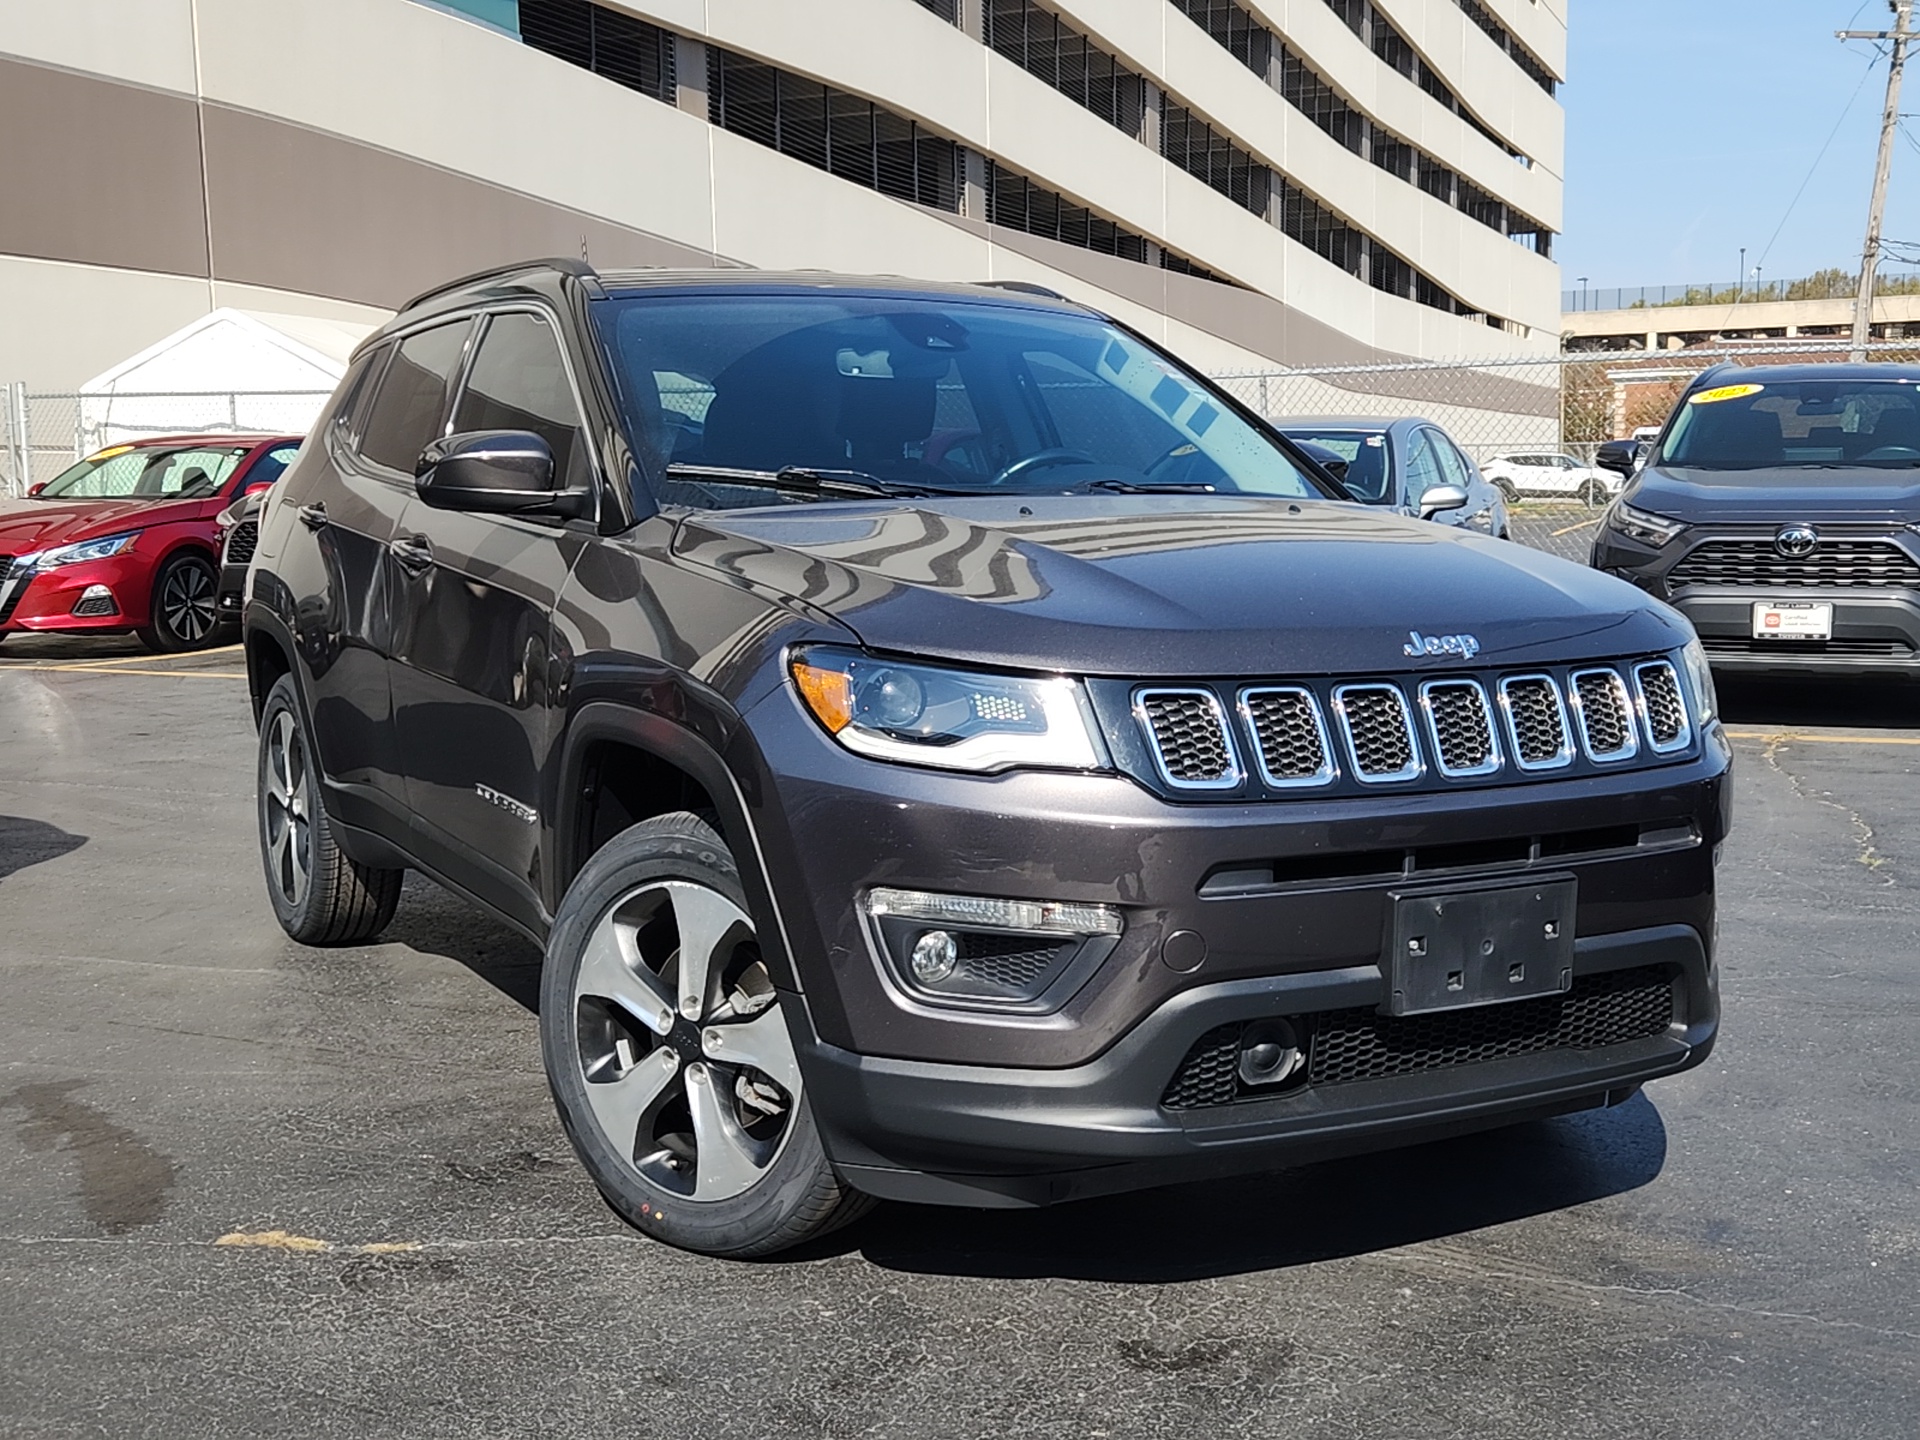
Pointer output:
229, 370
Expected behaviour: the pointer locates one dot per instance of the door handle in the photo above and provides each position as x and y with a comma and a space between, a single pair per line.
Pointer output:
313, 516
413, 552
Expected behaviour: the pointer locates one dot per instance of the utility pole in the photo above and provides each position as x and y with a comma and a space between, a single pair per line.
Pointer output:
1870, 256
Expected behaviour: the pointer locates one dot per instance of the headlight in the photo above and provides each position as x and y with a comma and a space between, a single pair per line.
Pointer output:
1706, 704
100, 549
1644, 526
955, 719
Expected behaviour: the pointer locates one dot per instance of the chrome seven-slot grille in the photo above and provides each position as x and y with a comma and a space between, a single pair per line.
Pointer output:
1382, 732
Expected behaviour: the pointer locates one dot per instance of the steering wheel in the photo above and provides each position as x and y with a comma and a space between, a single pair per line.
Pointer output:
1041, 459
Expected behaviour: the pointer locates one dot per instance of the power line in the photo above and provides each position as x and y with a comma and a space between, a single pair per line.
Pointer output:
1807, 179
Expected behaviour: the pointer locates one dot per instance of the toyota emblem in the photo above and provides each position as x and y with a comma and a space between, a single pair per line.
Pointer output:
1796, 542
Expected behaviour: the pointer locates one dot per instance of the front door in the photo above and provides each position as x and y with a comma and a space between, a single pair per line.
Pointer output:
470, 675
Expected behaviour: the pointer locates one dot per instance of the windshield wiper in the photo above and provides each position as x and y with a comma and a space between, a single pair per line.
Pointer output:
806, 480
1162, 487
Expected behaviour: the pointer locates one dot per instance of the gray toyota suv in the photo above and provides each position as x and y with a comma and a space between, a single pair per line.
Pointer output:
952, 752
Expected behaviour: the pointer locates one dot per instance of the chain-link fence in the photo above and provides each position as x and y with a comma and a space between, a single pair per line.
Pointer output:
45, 433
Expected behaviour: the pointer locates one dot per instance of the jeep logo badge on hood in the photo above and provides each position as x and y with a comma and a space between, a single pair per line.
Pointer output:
1465, 646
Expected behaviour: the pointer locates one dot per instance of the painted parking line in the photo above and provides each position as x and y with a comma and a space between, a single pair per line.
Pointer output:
1797, 737
114, 662
1556, 534
234, 674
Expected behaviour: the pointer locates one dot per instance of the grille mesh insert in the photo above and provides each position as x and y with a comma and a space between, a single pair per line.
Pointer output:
241, 542
1539, 729
1462, 725
1345, 1045
1190, 730
1849, 564
1287, 725
1605, 717
1666, 711
1009, 962
1376, 720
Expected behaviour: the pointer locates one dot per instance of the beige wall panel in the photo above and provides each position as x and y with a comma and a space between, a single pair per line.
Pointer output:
454, 94
298, 210
99, 172
65, 323
1484, 78
779, 214
147, 42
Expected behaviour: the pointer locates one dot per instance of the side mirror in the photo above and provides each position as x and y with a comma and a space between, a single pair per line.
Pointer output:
1440, 499
35, 488
1618, 458
259, 487
495, 472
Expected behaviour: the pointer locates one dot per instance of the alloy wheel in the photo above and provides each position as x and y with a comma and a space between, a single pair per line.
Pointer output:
187, 603
289, 811
679, 1039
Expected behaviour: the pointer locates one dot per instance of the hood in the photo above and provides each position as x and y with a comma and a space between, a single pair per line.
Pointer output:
1777, 496
41, 524
1156, 585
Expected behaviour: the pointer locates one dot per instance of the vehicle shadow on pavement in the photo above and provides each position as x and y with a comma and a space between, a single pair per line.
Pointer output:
1842, 702
25, 842
433, 921
1327, 1211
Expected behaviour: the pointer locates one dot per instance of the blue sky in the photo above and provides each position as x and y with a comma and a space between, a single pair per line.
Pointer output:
1690, 124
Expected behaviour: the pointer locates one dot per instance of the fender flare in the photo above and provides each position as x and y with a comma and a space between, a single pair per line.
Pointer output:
605, 720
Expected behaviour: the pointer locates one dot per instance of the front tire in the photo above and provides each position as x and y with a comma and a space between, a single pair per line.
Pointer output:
320, 894
185, 612
1506, 489
669, 1056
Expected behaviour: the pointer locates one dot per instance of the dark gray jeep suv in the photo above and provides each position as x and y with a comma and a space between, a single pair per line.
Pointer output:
951, 751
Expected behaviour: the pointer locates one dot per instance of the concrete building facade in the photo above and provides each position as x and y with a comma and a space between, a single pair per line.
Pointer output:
1259, 183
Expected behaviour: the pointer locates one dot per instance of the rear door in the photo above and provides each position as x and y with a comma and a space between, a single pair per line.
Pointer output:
343, 584
471, 666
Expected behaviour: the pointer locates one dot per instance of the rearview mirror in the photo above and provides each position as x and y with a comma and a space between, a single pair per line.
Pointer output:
495, 472
1440, 499
1617, 456
35, 488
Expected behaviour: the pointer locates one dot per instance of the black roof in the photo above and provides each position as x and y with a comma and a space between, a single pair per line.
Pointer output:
1734, 374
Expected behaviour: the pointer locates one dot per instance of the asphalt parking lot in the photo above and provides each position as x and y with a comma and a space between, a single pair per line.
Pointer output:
250, 1189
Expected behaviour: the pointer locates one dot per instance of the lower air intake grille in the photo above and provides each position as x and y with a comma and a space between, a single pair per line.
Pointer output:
1344, 1045
1188, 729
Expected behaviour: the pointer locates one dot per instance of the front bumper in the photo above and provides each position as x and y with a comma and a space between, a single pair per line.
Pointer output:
955, 1134
45, 600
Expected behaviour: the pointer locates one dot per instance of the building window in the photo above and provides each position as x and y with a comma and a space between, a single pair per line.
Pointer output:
610, 43
947, 10
1210, 157
1044, 45
827, 128
1018, 203
1510, 43
1233, 27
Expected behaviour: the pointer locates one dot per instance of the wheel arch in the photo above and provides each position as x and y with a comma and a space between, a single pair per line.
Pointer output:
620, 766
176, 547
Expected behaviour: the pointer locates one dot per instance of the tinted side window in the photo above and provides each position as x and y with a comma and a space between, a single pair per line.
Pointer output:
519, 382
269, 467
412, 399
1453, 465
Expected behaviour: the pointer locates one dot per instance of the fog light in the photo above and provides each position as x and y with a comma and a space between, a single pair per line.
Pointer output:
934, 956
1269, 1053
96, 600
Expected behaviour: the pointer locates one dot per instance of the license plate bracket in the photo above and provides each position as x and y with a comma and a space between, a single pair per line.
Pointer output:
1789, 620
1451, 949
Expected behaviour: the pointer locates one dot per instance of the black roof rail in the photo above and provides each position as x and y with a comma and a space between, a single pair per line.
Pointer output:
1713, 370
561, 264
1025, 287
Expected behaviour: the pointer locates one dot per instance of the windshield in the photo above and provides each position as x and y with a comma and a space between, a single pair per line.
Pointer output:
950, 395
164, 473
1814, 423
1369, 468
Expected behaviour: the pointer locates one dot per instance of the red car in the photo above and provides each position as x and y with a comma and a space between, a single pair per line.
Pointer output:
126, 540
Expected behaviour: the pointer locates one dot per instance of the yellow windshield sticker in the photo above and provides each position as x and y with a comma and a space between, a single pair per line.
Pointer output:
1725, 392
108, 453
